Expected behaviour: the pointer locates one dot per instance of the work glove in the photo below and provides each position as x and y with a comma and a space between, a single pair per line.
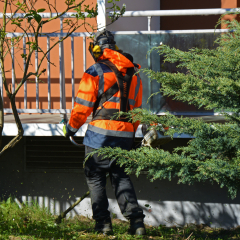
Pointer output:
66, 135
154, 138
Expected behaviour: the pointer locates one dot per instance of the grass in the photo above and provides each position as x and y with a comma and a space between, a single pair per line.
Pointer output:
33, 222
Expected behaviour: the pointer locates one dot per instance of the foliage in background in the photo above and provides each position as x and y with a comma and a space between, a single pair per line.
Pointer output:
30, 25
207, 78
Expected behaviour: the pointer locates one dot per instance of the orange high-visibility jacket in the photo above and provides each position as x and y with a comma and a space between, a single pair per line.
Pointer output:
96, 80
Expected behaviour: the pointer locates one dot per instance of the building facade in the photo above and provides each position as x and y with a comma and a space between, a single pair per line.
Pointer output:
45, 167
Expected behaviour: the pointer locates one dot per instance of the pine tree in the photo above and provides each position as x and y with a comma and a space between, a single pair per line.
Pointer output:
208, 78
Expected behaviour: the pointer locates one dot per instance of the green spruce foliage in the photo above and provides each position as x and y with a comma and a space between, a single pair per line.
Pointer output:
208, 78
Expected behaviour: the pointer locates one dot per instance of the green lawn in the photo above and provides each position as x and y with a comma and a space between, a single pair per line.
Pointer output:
32, 222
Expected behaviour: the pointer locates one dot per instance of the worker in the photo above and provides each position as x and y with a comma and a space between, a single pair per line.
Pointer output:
107, 87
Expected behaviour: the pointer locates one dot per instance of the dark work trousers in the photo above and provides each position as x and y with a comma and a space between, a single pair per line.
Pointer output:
95, 172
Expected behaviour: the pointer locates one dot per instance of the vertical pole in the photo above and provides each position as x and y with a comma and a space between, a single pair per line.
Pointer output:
84, 53
149, 67
13, 71
161, 96
101, 17
48, 74
160, 17
72, 66
149, 23
62, 75
63, 78
24, 66
36, 80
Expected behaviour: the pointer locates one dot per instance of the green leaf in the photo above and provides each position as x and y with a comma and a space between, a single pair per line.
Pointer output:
41, 10
37, 17
33, 11
8, 200
29, 19
15, 23
18, 4
24, 55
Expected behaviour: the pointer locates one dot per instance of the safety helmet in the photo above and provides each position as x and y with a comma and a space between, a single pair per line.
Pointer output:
103, 39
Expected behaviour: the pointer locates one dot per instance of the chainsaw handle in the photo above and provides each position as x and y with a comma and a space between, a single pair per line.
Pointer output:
75, 143
71, 137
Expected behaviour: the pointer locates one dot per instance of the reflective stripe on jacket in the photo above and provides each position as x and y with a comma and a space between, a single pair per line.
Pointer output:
96, 80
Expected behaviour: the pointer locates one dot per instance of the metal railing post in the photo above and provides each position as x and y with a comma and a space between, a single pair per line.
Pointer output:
149, 67
149, 23
48, 73
84, 54
13, 66
62, 74
72, 68
36, 80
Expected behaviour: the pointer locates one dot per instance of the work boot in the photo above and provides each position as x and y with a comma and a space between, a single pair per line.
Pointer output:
104, 226
137, 226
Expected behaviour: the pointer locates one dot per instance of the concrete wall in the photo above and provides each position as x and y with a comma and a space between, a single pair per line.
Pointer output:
172, 23
136, 23
169, 202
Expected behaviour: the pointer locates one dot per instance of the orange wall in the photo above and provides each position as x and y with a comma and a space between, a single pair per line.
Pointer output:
230, 4
54, 58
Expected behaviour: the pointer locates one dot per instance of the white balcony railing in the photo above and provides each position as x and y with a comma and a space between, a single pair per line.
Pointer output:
186, 12
83, 35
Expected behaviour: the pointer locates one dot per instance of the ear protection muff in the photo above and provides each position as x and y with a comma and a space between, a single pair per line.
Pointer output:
95, 51
102, 39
